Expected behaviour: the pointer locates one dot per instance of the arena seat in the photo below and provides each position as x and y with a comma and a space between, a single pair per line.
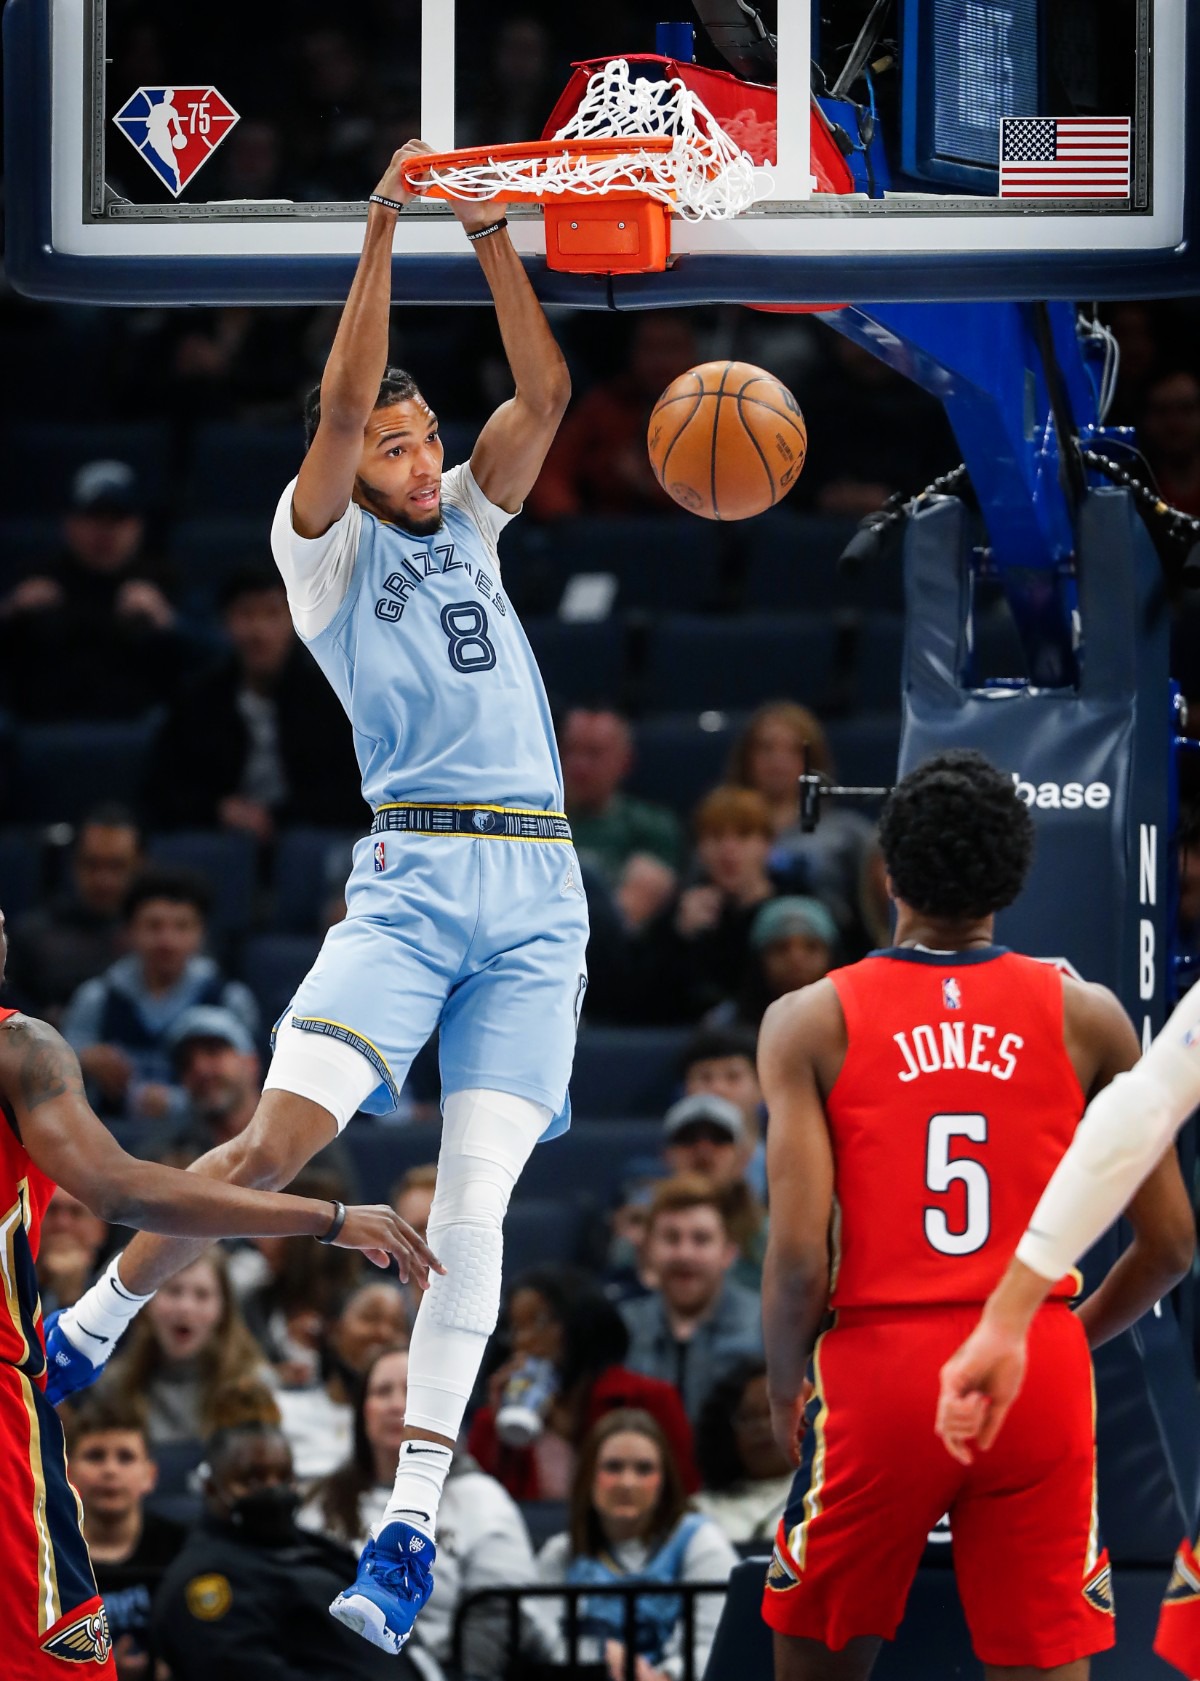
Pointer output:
226, 858
538, 1230
791, 562
61, 770
660, 561
206, 551
243, 469
594, 1159
273, 965
866, 749
40, 458
880, 644
23, 542
544, 1518
581, 664
382, 1154
301, 877
679, 757
21, 871
695, 662
626, 1071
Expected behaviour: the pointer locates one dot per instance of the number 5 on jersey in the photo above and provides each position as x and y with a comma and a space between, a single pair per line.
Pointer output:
942, 1171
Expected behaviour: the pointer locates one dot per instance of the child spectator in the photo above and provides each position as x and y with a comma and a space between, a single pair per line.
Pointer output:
113, 1474
630, 1522
120, 1024
187, 1343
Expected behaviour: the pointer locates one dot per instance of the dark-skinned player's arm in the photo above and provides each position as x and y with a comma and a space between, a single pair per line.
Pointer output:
1124, 1141
509, 452
41, 1081
800, 1187
356, 365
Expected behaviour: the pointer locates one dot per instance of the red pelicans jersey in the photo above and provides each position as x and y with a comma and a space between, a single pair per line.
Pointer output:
24, 1192
953, 1107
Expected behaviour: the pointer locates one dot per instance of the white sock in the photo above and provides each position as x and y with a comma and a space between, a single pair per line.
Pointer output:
95, 1323
417, 1491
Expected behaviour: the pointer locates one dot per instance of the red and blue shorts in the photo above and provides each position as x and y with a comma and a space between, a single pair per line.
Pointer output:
52, 1622
1032, 1576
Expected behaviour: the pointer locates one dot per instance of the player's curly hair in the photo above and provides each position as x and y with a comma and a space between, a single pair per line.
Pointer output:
956, 837
396, 386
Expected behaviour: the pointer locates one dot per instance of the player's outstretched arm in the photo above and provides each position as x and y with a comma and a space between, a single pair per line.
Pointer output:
41, 1080
356, 365
509, 452
1127, 1130
795, 1031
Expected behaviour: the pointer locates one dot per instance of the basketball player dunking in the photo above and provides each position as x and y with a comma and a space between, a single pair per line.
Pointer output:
919, 1102
465, 910
50, 1612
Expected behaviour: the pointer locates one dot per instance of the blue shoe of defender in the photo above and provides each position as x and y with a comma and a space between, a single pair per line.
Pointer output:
395, 1578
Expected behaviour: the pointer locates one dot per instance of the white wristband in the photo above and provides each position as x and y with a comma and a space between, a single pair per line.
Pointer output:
95, 1323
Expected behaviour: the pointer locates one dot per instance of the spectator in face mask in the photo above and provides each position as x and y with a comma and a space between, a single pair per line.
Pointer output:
246, 1598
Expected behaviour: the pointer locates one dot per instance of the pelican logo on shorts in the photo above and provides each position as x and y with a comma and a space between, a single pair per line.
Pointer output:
380, 857
1097, 1590
85, 1639
951, 994
484, 821
175, 130
782, 1574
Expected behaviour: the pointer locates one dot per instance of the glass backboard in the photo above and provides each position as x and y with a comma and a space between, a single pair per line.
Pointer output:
983, 148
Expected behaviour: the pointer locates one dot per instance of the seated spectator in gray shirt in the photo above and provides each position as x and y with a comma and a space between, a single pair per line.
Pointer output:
78, 933
698, 1322
120, 1024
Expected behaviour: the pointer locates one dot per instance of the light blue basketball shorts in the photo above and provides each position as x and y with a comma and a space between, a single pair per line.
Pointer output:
482, 937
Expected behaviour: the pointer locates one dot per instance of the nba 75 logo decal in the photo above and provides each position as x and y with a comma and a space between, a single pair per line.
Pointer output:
175, 130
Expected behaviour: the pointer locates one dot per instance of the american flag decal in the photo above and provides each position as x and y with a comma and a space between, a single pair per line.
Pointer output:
1064, 157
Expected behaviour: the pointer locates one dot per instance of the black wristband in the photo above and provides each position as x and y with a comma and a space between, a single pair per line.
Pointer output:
336, 1224
390, 203
492, 227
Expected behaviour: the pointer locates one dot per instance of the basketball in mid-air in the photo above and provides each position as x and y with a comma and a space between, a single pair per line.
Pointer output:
727, 440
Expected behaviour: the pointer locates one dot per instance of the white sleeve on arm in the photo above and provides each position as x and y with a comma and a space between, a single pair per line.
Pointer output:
316, 571
1122, 1137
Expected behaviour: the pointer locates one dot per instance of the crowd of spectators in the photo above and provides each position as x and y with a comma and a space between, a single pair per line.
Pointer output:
245, 1438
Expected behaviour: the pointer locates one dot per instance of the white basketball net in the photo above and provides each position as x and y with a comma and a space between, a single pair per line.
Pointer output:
704, 174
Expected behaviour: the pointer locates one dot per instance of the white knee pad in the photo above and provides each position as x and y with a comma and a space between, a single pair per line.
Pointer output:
487, 1138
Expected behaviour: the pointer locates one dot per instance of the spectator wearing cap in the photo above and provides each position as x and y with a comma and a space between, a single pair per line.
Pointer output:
216, 1064
262, 736
609, 825
696, 954
698, 1322
706, 1135
93, 634
78, 933
723, 1060
120, 1024
794, 942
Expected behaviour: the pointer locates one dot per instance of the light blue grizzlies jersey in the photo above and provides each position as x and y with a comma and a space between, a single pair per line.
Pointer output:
426, 654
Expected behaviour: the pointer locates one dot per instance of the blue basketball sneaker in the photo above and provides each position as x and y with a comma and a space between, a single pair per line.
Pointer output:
395, 1578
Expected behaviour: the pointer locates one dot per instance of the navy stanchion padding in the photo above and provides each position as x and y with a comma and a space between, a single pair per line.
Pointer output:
226, 858
21, 871
61, 770
678, 759
626, 1071
247, 467
581, 664
307, 861
866, 750
738, 662
594, 1159
273, 965
932, 1643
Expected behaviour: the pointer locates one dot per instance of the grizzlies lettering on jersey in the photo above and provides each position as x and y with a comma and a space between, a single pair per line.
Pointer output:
431, 664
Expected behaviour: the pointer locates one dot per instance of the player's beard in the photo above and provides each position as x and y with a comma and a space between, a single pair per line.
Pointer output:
378, 503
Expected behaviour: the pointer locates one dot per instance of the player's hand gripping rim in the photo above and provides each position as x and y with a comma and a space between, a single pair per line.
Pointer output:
978, 1386
382, 1236
391, 182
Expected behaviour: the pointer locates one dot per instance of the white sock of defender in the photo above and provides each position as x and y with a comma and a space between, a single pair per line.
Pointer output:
487, 1138
95, 1322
